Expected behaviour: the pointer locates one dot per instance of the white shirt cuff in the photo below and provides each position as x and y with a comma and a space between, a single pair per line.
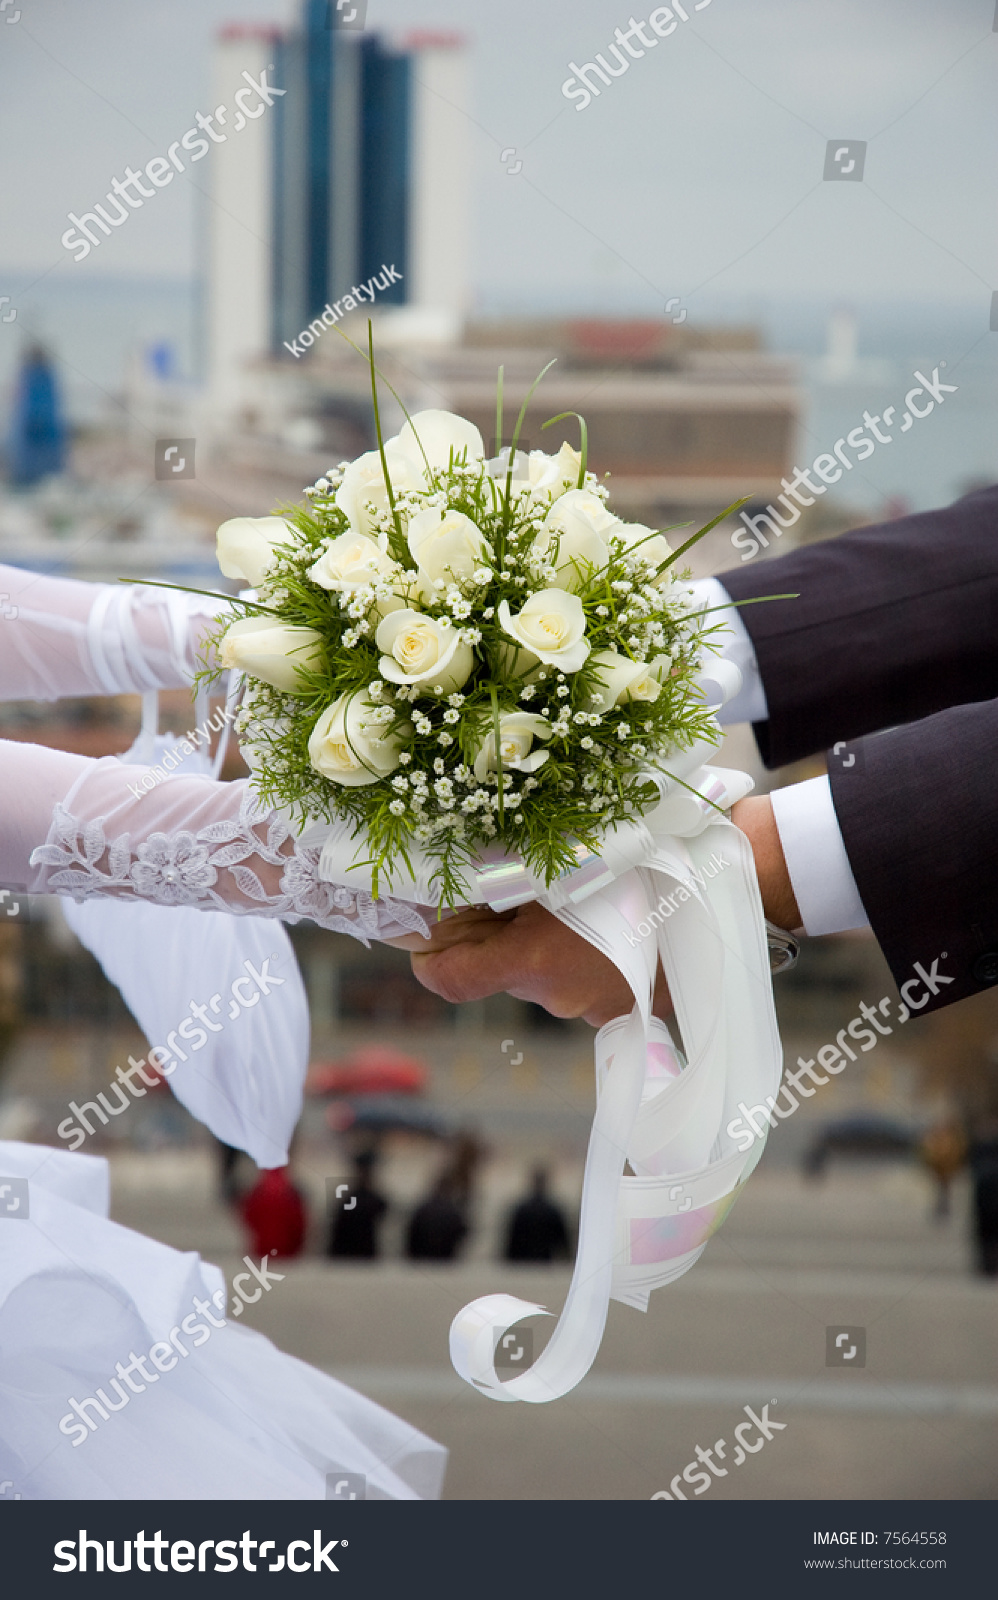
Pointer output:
749, 704
823, 884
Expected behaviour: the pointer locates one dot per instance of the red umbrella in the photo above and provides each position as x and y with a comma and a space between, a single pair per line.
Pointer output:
374, 1069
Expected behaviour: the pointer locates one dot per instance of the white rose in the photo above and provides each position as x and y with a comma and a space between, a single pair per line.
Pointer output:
447, 545
423, 653
364, 480
348, 746
554, 475
620, 680
517, 732
574, 537
646, 543
351, 561
271, 651
443, 436
245, 546
551, 626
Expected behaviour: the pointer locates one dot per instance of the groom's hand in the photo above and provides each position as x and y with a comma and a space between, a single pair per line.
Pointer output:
529, 954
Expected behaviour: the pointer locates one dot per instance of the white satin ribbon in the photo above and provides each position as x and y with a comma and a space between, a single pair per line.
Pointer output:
677, 885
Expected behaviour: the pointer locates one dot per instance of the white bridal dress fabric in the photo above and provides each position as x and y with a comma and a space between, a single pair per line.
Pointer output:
226, 1415
78, 1293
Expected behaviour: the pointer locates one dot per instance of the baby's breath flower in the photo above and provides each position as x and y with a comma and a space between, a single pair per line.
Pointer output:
439, 764
586, 743
452, 716
445, 738
397, 808
405, 758
529, 692
563, 691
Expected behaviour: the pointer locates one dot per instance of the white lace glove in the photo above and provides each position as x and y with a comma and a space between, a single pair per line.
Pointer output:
80, 827
62, 637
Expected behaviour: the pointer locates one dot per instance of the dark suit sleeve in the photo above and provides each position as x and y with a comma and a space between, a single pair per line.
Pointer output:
894, 622
918, 810
896, 628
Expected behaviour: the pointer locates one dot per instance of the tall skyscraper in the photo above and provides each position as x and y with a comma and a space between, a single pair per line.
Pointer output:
363, 161
342, 144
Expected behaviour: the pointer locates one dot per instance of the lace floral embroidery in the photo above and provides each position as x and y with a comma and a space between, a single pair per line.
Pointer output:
182, 869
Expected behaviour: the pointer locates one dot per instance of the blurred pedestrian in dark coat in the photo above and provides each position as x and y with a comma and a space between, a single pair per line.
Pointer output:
437, 1226
356, 1216
537, 1227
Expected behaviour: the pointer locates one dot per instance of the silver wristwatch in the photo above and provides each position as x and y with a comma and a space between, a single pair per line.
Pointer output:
783, 948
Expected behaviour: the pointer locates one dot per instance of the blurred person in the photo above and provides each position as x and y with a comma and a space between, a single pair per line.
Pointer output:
537, 1229
983, 1163
356, 1222
230, 1187
467, 1156
943, 1151
437, 1227
274, 1212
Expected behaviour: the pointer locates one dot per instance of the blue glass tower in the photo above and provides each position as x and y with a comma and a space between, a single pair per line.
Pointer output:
341, 167
385, 174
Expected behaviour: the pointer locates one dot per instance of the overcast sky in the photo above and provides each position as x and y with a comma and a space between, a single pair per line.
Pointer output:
697, 174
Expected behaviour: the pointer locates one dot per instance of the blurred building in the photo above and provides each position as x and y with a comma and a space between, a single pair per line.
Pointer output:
360, 164
36, 442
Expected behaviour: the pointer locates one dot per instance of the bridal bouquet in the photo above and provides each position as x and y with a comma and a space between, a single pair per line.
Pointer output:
468, 678
450, 651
